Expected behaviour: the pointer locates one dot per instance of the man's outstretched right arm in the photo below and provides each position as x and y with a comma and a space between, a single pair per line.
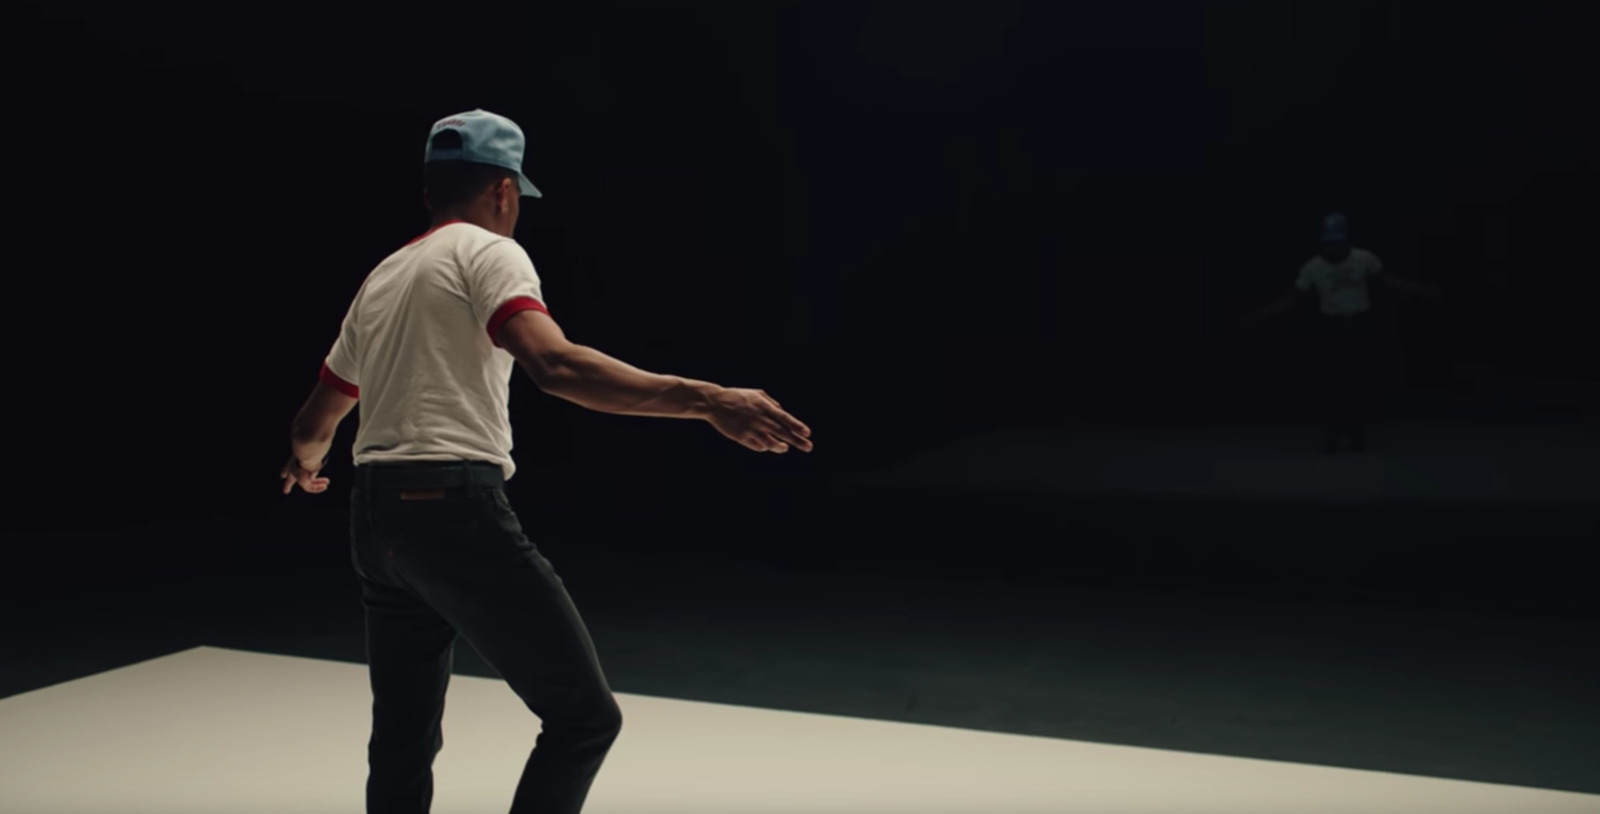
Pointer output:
591, 379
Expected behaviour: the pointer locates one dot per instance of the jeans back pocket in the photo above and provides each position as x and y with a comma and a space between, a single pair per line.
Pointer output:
425, 515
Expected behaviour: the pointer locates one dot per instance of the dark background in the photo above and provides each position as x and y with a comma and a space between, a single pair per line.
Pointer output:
908, 222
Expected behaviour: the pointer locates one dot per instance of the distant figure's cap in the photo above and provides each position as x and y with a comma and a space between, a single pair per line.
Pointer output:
486, 138
1335, 229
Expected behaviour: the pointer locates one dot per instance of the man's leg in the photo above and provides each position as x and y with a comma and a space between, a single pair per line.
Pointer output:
1365, 381
409, 653
506, 599
1361, 388
1351, 362
1333, 386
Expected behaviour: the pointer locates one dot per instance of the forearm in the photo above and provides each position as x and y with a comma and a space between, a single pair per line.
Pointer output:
591, 379
310, 451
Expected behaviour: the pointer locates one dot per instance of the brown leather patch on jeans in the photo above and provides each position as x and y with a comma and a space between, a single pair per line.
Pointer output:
431, 494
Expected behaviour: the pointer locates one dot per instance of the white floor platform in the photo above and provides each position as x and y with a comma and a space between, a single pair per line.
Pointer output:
208, 731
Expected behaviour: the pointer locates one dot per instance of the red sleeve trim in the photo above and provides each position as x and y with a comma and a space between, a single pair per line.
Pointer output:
328, 378
512, 307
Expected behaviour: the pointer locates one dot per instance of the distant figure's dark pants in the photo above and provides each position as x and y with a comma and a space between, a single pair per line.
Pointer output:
439, 551
1348, 363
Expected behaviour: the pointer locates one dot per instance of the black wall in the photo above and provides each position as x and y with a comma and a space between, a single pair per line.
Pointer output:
906, 222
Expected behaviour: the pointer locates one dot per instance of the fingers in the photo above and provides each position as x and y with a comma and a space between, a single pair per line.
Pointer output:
772, 405
306, 481
771, 428
789, 422
790, 426
788, 430
776, 435
762, 440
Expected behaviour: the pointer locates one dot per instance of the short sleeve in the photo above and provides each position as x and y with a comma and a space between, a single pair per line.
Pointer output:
1307, 272
501, 282
341, 369
1374, 265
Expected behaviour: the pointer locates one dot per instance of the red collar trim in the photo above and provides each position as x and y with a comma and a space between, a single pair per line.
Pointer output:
434, 229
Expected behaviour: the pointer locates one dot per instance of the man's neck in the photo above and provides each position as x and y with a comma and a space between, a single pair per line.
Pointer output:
458, 217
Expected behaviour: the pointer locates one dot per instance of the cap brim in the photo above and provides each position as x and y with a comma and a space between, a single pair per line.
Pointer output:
528, 189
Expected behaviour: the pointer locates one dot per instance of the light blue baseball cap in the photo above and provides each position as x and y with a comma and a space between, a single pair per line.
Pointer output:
486, 138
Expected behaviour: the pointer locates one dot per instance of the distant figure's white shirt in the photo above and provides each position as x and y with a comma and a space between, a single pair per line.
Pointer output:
1341, 287
417, 348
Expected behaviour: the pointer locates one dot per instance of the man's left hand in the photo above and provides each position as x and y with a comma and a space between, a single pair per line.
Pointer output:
293, 473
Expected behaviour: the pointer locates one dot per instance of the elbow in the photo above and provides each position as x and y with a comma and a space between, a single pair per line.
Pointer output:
546, 368
538, 368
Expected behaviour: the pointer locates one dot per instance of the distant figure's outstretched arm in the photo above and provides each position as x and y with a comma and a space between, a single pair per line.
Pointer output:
1406, 286
1281, 306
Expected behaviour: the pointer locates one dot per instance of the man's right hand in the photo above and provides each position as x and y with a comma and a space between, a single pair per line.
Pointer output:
757, 421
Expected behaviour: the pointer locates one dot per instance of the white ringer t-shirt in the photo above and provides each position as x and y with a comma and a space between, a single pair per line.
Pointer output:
1342, 288
417, 348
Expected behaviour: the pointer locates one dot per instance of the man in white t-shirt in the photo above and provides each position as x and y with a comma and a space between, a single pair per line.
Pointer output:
427, 349
1341, 277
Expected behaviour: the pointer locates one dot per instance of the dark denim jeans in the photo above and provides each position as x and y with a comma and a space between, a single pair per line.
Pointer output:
440, 552
1349, 362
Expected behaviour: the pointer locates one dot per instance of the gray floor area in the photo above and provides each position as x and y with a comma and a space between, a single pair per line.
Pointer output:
1497, 699
1553, 463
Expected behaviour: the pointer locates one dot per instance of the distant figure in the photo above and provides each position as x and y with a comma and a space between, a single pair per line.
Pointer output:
1346, 346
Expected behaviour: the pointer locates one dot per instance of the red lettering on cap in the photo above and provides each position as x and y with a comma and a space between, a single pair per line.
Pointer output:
451, 123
